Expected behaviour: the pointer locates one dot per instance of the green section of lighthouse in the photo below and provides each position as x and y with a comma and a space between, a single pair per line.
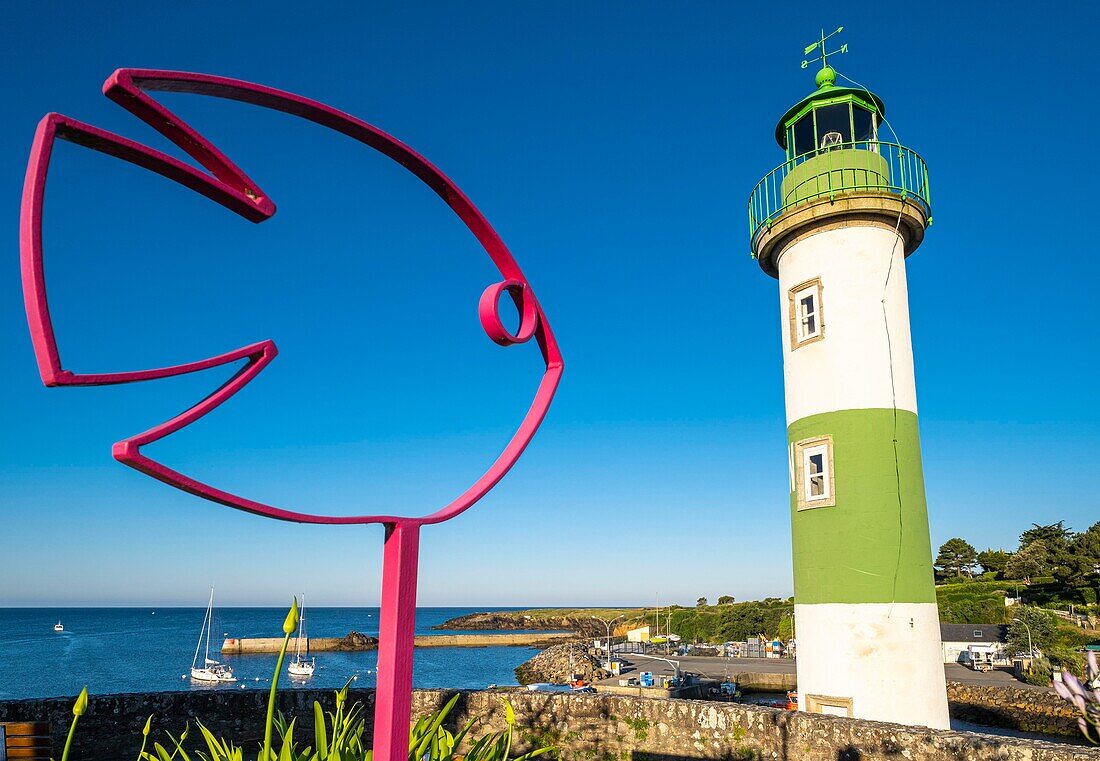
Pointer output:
872, 546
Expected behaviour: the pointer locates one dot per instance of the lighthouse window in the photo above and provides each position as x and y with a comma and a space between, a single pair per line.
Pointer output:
834, 124
804, 135
864, 124
814, 480
817, 481
804, 302
807, 314
829, 705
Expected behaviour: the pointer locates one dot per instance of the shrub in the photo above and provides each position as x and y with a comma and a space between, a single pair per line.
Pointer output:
1038, 673
1068, 659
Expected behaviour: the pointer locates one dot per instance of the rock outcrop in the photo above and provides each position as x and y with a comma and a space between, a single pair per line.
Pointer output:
585, 627
355, 642
559, 664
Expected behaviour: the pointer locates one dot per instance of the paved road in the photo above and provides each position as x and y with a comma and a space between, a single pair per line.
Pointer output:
717, 668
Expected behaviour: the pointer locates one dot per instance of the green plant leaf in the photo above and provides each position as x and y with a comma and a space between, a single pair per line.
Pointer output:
464, 731
436, 721
319, 731
286, 753
534, 753
216, 753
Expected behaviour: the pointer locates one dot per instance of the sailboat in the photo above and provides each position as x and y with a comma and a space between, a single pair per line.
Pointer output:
300, 667
210, 671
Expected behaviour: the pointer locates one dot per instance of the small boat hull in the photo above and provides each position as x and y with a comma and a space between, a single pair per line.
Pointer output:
215, 674
301, 669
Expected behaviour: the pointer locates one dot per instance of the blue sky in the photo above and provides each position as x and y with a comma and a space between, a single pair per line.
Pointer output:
613, 146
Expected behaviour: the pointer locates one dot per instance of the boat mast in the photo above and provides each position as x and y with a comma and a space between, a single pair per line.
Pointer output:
209, 624
199, 643
301, 627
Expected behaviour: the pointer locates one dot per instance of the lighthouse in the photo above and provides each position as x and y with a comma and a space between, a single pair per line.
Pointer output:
834, 224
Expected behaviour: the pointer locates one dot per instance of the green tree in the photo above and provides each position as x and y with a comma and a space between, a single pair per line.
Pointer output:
1030, 560
993, 561
1042, 625
1056, 536
701, 602
1081, 559
785, 630
725, 600
956, 557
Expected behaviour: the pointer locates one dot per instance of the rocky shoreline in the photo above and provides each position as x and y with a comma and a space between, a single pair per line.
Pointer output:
355, 642
582, 627
559, 664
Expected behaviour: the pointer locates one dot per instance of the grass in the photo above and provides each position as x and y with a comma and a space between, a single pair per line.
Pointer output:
605, 614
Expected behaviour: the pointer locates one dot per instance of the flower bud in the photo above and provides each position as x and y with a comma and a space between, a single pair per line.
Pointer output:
81, 704
291, 622
148, 726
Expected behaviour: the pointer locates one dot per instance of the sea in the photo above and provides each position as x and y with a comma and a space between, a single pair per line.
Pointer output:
121, 650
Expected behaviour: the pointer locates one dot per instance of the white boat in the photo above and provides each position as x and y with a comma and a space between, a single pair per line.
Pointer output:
58, 627
211, 670
300, 667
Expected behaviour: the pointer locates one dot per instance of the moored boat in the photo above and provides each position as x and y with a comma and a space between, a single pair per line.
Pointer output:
301, 667
211, 670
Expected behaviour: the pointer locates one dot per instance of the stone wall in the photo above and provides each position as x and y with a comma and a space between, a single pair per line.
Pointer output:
585, 727
1040, 711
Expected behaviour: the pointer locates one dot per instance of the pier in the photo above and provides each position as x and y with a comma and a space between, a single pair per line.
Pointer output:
250, 645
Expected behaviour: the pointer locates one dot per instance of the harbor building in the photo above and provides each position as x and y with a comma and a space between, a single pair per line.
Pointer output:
834, 224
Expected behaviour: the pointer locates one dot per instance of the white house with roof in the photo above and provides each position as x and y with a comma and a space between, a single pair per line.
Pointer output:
959, 640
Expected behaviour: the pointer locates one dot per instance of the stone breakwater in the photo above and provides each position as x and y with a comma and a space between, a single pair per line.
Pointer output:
583, 727
359, 642
1039, 711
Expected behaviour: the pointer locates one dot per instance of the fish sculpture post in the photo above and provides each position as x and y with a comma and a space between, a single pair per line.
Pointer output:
226, 184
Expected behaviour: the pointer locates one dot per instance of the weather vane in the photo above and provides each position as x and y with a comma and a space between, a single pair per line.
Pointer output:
824, 57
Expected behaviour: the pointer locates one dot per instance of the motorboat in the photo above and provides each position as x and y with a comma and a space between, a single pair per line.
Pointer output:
58, 627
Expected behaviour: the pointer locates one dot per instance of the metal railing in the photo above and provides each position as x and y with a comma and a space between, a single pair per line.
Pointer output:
906, 176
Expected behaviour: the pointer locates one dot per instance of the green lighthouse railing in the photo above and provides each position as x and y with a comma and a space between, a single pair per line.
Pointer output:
859, 167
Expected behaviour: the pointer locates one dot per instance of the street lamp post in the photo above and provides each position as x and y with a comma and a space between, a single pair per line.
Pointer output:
608, 625
1030, 649
1096, 570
